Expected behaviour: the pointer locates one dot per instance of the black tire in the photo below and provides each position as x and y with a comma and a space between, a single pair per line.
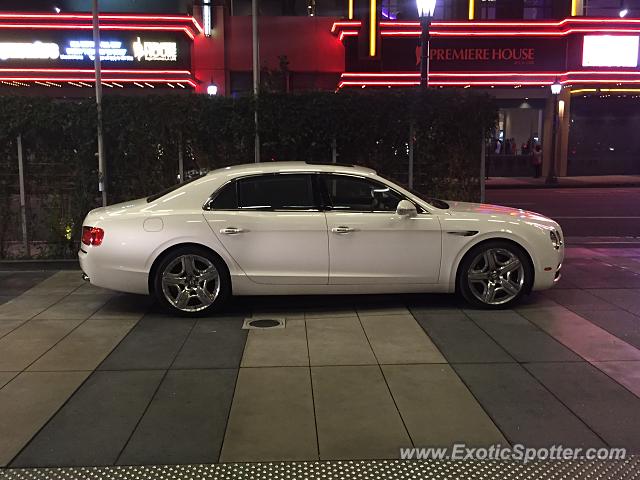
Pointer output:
469, 289
202, 260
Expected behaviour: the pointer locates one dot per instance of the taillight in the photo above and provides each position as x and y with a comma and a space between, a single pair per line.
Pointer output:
92, 235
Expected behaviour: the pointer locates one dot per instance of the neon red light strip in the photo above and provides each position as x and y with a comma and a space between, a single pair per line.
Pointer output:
416, 33
349, 33
77, 79
102, 16
83, 16
494, 74
90, 70
353, 23
478, 83
513, 24
102, 27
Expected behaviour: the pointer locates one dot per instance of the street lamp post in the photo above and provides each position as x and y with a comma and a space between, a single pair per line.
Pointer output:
102, 166
556, 88
426, 9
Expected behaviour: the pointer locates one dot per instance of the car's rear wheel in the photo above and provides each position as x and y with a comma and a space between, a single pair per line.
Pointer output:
495, 274
191, 281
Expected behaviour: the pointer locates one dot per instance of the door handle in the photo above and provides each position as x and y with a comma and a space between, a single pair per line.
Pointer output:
343, 229
231, 230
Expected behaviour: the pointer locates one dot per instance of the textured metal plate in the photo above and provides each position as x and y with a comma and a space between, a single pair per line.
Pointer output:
347, 470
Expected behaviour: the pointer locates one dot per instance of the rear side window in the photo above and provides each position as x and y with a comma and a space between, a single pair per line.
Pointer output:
276, 192
226, 198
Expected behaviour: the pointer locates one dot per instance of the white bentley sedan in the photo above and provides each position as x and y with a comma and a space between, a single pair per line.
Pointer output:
292, 228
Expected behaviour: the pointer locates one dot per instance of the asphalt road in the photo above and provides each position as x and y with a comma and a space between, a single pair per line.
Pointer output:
582, 212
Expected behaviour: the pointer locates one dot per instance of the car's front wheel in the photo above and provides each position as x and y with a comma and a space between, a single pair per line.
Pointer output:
191, 281
495, 274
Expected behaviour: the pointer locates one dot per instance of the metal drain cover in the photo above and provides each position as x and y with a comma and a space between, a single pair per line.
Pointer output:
263, 323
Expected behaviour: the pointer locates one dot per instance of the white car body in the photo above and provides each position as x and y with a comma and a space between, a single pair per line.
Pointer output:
298, 252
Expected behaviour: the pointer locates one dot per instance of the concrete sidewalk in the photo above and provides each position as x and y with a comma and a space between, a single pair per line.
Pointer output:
602, 181
95, 378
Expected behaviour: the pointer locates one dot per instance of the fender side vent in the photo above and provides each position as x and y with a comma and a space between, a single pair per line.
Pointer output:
464, 233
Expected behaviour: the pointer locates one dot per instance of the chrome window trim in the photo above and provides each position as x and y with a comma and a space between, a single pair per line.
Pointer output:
419, 208
206, 206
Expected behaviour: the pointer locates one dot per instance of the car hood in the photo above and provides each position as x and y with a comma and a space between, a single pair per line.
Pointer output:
463, 208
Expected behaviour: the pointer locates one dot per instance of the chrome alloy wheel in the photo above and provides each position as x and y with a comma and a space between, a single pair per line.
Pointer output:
496, 276
191, 283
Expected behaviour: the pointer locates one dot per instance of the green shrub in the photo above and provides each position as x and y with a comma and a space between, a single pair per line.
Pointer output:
143, 135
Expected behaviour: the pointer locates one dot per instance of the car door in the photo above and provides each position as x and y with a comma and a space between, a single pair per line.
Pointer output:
272, 226
369, 242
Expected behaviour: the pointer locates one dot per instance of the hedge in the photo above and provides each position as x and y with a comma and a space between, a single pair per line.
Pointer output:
144, 133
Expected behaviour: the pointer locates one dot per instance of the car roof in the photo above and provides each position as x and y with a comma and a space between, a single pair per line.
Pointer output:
286, 167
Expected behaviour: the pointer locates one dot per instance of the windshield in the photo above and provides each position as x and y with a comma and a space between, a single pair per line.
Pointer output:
156, 196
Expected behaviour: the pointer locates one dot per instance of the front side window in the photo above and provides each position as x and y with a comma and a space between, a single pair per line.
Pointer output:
276, 192
345, 192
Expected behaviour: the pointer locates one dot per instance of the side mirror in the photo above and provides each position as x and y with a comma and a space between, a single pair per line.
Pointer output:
406, 209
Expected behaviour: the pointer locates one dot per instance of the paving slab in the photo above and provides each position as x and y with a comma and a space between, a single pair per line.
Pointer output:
459, 339
608, 408
6, 377
152, 344
74, 306
85, 347
622, 324
285, 347
626, 374
60, 283
330, 313
583, 337
438, 409
272, 417
524, 410
213, 343
186, 420
27, 402
94, 425
577, 299
28, 342
338, 341
87, 289
355, 414
7, 326
625, 298
13, 284
534, 300
523, 340
366, 310
25, 307
398, 339
287, 314
125, 305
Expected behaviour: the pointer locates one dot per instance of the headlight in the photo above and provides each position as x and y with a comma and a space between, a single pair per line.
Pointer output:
556, 239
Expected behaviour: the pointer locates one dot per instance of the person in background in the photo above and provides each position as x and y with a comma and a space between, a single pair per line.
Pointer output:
536, 161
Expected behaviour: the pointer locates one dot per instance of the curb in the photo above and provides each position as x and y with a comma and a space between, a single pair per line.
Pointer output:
25, 265
511, 186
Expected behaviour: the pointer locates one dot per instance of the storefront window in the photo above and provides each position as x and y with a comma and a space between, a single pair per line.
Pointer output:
296, 8
602, 136
611, 8
515, 9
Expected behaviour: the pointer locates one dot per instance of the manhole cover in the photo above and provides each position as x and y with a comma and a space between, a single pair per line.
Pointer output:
263, 323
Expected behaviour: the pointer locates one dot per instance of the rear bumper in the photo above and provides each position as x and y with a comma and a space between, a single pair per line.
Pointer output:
106, 273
